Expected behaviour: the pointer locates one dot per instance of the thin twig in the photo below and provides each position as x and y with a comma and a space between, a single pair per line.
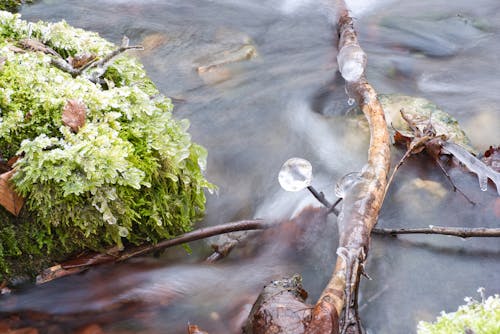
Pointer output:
333, 209
319, 196
462, 232
202, 233
396, 168
78, 265
100, 65
455, 188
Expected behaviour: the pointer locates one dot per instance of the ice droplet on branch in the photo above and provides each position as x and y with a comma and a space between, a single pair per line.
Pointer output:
345, 183
295, 174
352, 62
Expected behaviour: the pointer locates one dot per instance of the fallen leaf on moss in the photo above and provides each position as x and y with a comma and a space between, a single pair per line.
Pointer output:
9, 199
74, 113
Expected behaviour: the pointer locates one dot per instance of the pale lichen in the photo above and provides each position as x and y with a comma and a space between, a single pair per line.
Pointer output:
131, 173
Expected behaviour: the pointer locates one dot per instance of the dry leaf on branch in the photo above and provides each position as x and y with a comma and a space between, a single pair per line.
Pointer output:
193, 329
79, 61
74, 114
491, 158
9, 199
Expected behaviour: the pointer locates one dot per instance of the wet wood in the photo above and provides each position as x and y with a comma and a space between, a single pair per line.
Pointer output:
362, 203
280, 308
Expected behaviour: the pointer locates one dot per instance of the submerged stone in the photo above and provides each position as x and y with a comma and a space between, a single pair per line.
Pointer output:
422, 112
128, 174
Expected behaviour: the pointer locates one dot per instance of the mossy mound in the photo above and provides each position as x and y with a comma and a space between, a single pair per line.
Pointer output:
474, 317
130, 174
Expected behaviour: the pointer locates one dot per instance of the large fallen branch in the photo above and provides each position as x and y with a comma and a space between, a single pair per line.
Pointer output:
362, 198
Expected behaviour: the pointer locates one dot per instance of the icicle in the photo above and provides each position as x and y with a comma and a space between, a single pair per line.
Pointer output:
475, 165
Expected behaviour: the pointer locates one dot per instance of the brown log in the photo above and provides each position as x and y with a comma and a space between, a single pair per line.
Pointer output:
280, 309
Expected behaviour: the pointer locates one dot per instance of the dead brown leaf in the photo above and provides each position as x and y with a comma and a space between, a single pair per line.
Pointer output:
400, 138
90, 329
9, 199
74, 114
193, 329
492, 158
79, 61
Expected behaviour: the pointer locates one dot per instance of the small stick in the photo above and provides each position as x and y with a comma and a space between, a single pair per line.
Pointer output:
462, 232
61, 270
202, 233
319, 196
455, 188
400, 163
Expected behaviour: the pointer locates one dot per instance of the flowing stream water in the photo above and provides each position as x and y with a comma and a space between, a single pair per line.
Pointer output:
258, 81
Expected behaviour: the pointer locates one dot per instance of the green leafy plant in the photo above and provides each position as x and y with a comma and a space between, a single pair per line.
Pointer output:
129, 174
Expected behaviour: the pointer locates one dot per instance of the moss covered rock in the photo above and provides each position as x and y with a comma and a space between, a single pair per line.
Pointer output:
129, 174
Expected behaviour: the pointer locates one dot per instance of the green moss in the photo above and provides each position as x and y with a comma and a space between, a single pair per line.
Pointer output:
475, 317
11, 5
131, 173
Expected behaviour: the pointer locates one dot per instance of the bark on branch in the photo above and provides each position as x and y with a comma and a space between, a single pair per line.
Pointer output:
363, 199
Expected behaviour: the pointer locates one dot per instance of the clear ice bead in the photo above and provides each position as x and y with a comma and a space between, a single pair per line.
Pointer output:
295, 174
352, 61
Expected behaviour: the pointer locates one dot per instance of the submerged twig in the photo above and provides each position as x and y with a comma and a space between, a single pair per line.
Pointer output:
78, 265
448, 177
202, 233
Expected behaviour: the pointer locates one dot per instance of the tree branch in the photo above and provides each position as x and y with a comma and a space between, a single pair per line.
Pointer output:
82, 263
202, 233
462, 232
363, 199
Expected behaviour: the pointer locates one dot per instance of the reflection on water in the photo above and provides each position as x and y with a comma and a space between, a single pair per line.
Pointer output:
256, 112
